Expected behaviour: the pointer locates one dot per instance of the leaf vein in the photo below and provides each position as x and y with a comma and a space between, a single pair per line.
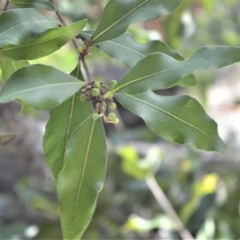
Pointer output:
138, 53
170, 69
100, 34
69, 126
82, 176
37, 42
171, 115
10, 29
41, 87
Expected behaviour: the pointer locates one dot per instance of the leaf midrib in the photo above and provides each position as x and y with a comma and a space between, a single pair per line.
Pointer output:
169, 69
150, 75
169, 114
36, 88
10, 29
107, 29
112, 42
70, 118
122, 46
38, 42
69, 126
82, 176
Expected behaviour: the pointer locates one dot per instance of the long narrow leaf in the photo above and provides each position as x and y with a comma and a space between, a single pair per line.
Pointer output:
64, 119
126, 49
45, 43
180, 119
119, 14
82, 177
40, 87
20, 25
159, 71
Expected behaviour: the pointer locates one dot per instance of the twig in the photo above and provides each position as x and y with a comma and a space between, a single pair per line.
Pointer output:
89, 76
63, 22
82, 56
167, 207
6, 6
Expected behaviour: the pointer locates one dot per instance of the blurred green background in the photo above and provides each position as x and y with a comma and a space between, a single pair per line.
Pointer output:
202, 187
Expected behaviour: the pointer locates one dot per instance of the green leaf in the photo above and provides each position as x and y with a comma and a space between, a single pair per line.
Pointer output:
20, 25
64, 119
40, 87
180, 119
45, 43
126, 49
9, 66
130, 52
159, 71
119, 14
44, 4
82, 177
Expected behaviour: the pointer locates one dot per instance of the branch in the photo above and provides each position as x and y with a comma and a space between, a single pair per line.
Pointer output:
89, 76
63, 22
82, 55
167, 207
6, 6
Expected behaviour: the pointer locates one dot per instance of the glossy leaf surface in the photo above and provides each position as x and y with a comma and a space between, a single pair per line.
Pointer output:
126, 49
20, 25
45, 43
130, 52
159, 71
119, 14
64, 119
44, 4
82, 177
180, 119
40, 87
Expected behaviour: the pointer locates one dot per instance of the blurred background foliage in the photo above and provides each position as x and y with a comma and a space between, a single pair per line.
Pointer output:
202, 187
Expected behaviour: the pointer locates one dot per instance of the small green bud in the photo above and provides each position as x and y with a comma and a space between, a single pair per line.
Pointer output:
111, 116
112, 105
112, 83
79, 49
116, 121
83, 98
95, 116
97, 85
95, 92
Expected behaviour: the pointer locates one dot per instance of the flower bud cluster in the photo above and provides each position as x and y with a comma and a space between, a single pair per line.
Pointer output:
102, 97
